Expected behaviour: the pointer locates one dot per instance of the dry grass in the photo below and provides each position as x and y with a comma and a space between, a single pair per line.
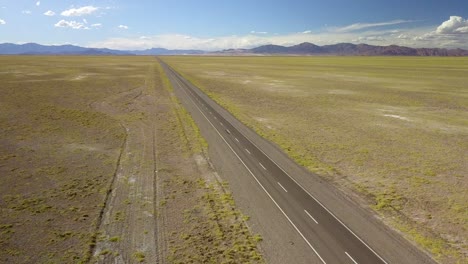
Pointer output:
57, 153
394, 130
59, 148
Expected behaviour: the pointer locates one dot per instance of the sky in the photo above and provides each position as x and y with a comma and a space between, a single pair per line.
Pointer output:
225, 24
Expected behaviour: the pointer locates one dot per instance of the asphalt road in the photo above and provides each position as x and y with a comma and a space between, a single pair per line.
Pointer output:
324, 233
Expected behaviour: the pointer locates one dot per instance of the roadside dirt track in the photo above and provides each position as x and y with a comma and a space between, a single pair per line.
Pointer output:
128, 223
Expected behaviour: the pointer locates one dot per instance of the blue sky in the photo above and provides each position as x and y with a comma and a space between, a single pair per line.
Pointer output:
220, 24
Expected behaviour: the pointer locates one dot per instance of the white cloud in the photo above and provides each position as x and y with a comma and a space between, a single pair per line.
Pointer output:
85, 21
452, 33
49, 13
123, 27
70, 24
455, 25
26, 12
38, 3
85, 10
178, 41
361, 26
97, 25
2, 22
258, 32
412, 37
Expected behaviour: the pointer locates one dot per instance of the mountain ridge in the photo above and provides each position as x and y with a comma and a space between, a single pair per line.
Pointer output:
349, 49
305, 48
37, 49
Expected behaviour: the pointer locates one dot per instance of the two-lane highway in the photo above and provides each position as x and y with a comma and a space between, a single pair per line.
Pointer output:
326, 235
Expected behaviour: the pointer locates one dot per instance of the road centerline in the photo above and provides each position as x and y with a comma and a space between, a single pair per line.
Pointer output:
282, 187
349, 256
310, 216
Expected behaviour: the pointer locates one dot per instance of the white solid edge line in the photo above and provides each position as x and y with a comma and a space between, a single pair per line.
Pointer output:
349, 256
310, 216
313, 197
261, 185
262, 166
282, 187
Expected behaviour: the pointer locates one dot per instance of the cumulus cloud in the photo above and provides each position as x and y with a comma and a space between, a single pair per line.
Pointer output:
49, 13
38, 3
97, 25
2, 22
70, 24
81, 11
123, 27
361, 26
306, 32
455, 25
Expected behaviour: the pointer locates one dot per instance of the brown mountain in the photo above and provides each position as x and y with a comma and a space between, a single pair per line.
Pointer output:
349, 49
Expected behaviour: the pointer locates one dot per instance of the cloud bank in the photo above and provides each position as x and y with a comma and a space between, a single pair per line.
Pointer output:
452, 33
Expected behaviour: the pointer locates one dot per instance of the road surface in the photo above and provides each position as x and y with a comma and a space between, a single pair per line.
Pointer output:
325, 234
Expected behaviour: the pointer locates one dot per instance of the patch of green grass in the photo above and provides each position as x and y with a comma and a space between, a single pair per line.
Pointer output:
114, 239
187, 129
105, 252
436, 245
216, 231
139, 256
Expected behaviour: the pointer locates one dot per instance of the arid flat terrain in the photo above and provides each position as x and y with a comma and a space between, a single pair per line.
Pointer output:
100, 163
390, 132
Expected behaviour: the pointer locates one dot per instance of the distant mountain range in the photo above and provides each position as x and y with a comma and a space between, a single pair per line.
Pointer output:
347, 49
300, 49
37, 49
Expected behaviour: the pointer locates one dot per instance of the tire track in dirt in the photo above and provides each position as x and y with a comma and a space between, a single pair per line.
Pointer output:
106, 199
127, 232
